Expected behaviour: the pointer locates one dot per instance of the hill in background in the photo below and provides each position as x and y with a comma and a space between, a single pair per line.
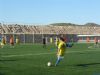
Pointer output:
66, 24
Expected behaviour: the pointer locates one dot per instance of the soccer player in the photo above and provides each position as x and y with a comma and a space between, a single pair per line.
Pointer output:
3, 42
51, 40
44, 42
17, 40
61, 50
11, 41
96, 45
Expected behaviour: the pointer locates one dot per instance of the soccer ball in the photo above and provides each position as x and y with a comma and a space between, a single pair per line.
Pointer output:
49, 64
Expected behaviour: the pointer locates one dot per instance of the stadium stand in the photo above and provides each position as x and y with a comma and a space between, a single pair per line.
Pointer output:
49, 29
41, 30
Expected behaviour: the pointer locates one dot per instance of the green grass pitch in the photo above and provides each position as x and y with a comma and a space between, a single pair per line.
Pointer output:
32, 60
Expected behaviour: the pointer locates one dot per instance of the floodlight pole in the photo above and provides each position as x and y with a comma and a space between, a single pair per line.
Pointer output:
24, 38
42, 33
13, 33
33, 36
2, 27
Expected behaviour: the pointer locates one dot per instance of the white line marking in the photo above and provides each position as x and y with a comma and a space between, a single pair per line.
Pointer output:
47, 53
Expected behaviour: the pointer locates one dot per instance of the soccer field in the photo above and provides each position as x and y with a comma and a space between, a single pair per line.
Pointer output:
31, 59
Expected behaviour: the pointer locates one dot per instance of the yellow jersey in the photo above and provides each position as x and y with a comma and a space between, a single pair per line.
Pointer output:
51, 40
17, 41
3, 41
62, 48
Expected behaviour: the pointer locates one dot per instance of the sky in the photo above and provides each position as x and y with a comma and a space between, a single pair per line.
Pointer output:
50, 11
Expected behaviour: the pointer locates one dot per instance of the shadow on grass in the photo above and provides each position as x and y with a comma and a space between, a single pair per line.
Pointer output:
1, 73
86, 65
7, 60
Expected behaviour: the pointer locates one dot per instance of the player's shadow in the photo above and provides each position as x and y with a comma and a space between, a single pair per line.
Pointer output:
86, 65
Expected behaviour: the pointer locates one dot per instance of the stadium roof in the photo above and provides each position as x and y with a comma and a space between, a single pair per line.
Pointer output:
88, 35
